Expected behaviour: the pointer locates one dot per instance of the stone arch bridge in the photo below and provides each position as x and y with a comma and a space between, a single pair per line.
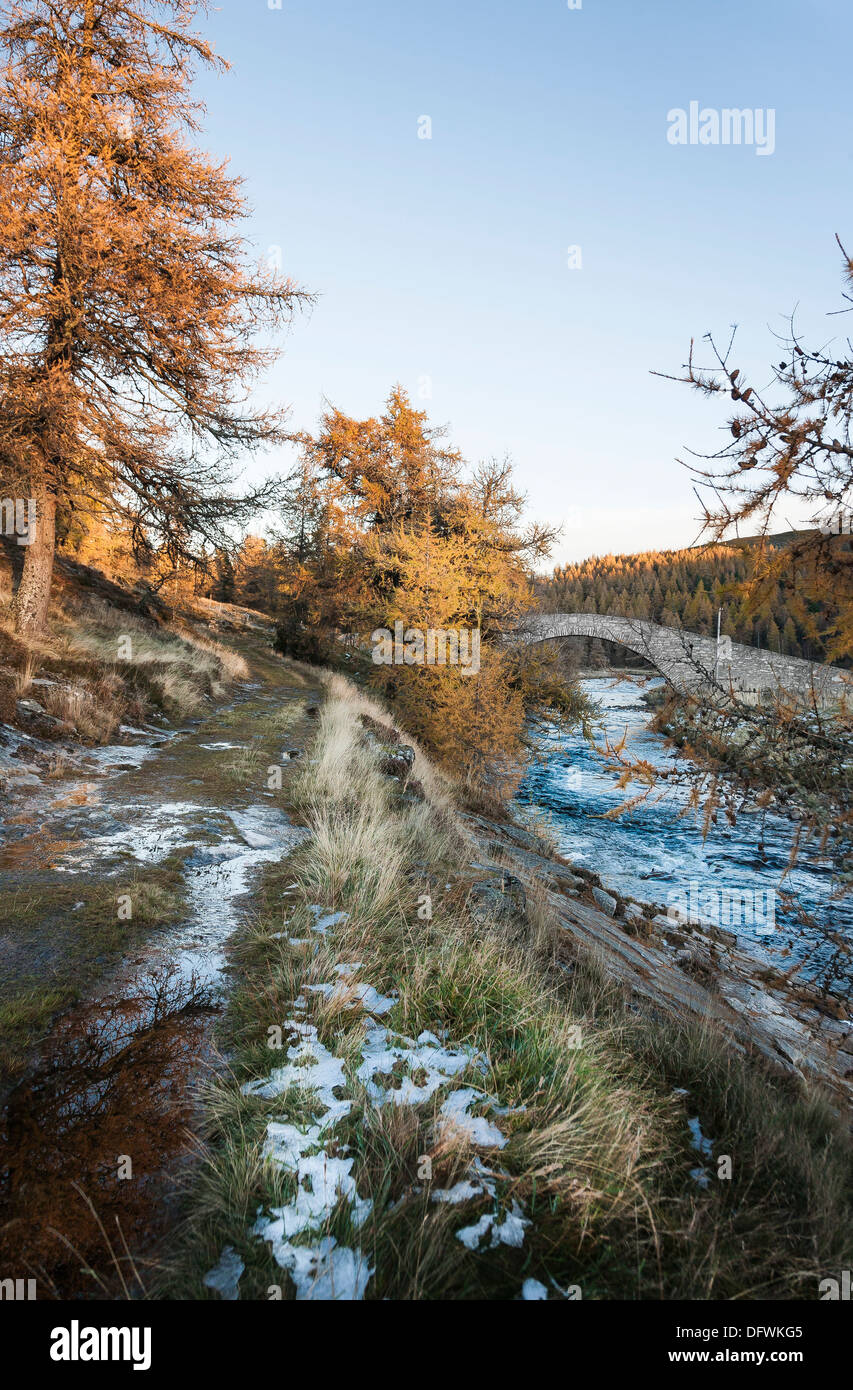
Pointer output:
688, 661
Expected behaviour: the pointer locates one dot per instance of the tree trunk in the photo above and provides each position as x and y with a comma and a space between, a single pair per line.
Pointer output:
29, 606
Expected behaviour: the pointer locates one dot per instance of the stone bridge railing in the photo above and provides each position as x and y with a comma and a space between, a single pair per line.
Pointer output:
689, 661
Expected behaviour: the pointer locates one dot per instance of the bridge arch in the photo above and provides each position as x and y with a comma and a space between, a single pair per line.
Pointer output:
687, 660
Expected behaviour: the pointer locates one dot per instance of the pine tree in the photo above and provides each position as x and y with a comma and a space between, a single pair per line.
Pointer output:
392, 469
222, 588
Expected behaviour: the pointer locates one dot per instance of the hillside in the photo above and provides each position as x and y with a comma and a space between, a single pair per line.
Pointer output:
112, 654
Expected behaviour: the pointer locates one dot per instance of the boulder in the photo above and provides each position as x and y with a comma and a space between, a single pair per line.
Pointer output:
502, 897
605, 901
30, 707
397, 760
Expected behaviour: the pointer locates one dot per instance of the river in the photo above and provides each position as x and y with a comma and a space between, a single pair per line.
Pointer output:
656, 854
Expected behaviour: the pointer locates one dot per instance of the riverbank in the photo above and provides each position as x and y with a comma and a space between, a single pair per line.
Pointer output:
736, 869
452, 1075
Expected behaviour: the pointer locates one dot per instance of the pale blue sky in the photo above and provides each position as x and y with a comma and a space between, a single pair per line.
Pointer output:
447, 258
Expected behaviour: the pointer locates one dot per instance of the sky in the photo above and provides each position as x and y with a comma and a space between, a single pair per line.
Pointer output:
445, 263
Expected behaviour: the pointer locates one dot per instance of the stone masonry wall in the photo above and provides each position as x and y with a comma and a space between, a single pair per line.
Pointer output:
688, 660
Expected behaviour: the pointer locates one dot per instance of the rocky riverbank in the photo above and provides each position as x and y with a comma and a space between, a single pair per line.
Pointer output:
689, 971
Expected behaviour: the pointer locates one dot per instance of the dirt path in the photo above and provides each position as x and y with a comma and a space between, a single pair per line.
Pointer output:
119, 890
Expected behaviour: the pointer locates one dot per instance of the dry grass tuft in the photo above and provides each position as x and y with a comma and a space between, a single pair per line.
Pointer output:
110, 666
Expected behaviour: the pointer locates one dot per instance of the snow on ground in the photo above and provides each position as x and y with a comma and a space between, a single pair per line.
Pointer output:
508, 1231
705, 1147
225, 1276
479, 1130
323, 920
394, 1070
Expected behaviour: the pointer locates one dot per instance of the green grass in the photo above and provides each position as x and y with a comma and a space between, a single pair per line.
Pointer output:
25, 1016
83, 943
599, 1152
244, 766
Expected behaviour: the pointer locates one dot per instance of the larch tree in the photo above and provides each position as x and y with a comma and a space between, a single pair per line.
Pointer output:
130, 313
384, 524
392, 469
790, 440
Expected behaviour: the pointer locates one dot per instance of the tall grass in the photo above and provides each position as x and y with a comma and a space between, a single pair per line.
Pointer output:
109, 666
599, 1153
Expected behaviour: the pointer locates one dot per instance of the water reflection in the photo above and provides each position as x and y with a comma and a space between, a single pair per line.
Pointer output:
92, 1141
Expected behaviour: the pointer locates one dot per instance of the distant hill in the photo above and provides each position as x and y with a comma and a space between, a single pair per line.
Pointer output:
776, 542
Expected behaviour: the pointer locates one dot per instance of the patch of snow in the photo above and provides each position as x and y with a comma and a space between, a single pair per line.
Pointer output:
142, 733
463, 1191
225, 1276
700, 1143
532, 1291
127, 754
323, 920
471, 1236
705, 1147
322, 1182
327, 1272
387, 1053
257, 826
286, 1143
509, 1231
312, 1067
355, 996
456, 1111
418, 1067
